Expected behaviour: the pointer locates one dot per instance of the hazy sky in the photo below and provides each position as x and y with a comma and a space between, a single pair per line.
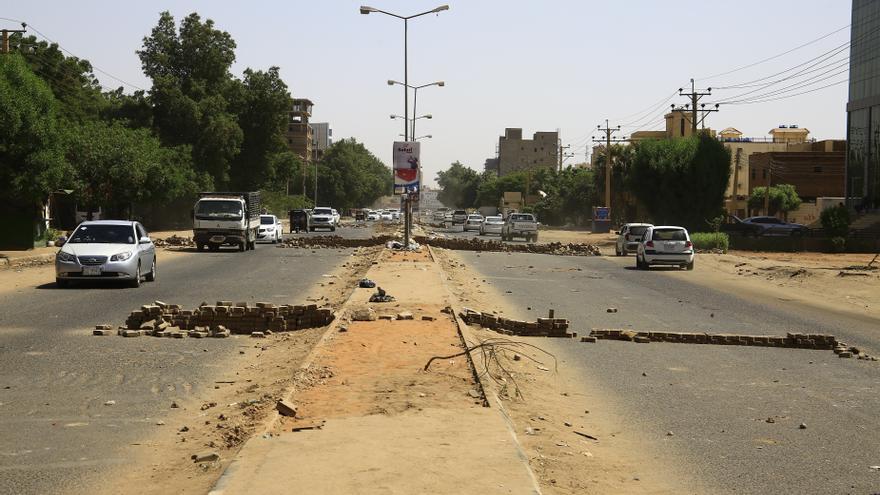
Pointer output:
539, 65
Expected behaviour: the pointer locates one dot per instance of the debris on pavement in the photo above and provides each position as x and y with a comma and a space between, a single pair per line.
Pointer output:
366, 283
222, 319
175, 241
286, 408
585, 435
543, 327
381, 296
363, 314
206, 457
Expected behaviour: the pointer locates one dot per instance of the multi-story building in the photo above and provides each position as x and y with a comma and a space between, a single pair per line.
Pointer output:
516, 154
322, 138
863, 108
299, 132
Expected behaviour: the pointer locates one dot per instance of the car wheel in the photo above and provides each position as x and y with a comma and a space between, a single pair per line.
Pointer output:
200, 247
214, 247
689, 266
332, 229
151, 277
61, 283
136, 281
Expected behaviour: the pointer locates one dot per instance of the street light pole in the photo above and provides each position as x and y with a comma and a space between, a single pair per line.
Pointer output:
367, 10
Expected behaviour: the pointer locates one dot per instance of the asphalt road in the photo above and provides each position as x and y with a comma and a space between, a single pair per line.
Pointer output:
55, 431
716, 399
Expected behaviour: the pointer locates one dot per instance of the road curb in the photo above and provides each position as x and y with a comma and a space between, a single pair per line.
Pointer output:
6, 263
464, 333
229, 471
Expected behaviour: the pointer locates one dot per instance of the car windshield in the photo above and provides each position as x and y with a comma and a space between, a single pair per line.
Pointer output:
522, 218
669, 235
493, 219
267, 221
322, 211
638, 230
218, 209
103, 234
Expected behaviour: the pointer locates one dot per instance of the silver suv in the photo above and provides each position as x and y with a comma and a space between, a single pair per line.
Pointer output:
106, 250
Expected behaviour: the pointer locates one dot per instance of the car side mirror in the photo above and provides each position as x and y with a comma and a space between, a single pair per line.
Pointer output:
60, 241
145, 240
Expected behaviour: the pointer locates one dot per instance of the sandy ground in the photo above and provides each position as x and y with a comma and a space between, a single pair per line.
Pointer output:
242, 400
555, 404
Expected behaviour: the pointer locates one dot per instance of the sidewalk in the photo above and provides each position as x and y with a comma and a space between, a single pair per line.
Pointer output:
387, 426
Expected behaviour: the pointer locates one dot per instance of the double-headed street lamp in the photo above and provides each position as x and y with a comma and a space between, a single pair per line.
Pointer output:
416, 96
426, 136
368, 10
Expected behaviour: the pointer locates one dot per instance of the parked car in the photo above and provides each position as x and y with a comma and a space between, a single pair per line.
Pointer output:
628, 238
336, 217
665, 245
447, 217
372, 216
395, 215
473, 222
773, 226
459, 216
322, 218
106, 250
492, 225
439, 215
386, 216
520, 225
734, 225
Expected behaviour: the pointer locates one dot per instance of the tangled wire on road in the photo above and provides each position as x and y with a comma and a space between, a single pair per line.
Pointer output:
493, 352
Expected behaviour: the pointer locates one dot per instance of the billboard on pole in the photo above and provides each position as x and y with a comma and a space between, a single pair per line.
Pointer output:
407, 167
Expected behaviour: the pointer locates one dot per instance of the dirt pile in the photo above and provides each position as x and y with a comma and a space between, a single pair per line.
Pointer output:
474, 244
174, 241
335, 241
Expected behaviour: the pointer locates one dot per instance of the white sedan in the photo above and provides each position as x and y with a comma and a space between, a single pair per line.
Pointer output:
473, 222
270, 229
492, 225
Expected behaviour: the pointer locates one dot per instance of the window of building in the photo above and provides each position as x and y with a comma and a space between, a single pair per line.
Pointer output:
682, 126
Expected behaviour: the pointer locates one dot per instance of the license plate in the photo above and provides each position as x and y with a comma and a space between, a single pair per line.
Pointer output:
92, 271
218, 238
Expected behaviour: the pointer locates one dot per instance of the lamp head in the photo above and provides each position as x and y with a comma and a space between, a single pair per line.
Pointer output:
439, 9
441, 83
429, 116
366, 10
390, 82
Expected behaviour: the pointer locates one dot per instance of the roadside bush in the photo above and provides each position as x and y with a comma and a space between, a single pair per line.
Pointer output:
836, 221
838, 244
279, 204
52, 234
711, 240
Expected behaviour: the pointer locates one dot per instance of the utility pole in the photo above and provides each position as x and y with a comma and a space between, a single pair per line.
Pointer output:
695, 107
4, 48
561, 154
608, 130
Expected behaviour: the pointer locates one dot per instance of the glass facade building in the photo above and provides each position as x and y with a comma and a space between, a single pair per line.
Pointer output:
863, 108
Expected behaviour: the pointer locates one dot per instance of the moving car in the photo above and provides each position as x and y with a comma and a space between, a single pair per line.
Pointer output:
473, 222
372, 216
665, 245
270, 229
459, 216
628, 238
440, 214
520, 225
226, 219
336, 216
106, 250
386, 216
322, 218
773, 226
492, 225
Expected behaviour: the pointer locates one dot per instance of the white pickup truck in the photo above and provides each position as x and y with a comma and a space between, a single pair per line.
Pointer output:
520, 225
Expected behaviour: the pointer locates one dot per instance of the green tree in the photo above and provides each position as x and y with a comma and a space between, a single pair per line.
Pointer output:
262, 112
117, 166
835, 221
459, 186
191, 90
681, 181
783, 199
349, 176
31, 154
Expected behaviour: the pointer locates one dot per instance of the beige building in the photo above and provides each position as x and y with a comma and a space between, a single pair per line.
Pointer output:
516, 153
300, 135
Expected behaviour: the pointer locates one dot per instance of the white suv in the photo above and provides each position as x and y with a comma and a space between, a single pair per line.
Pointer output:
665, 245
628, 237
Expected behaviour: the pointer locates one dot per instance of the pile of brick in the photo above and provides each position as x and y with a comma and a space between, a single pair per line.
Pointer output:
475, 244
792, 340
174, 240
219, 320
544, 327
335, 241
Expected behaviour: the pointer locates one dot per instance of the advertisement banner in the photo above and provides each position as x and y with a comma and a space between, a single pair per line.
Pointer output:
407, 167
